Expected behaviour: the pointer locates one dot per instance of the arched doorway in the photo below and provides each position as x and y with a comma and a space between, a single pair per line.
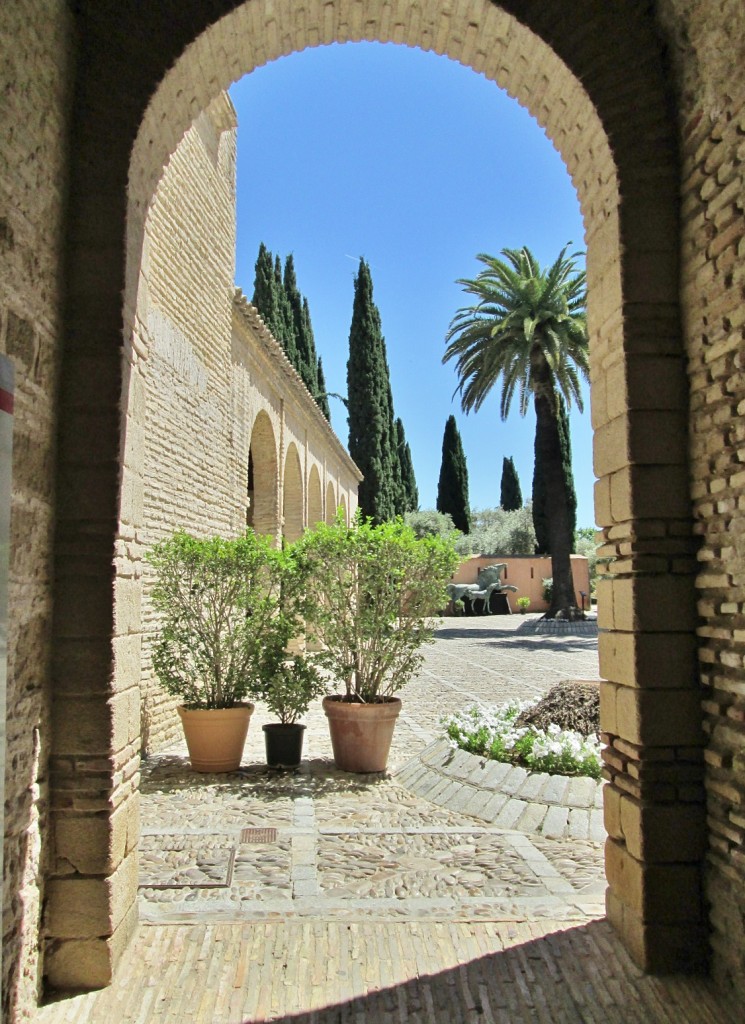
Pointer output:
558, 70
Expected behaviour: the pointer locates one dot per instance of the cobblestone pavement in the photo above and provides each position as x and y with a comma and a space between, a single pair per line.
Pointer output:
317, 895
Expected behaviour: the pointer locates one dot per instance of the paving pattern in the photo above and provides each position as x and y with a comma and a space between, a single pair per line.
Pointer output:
320, 896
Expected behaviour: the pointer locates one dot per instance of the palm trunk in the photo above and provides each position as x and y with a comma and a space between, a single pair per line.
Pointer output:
563, 600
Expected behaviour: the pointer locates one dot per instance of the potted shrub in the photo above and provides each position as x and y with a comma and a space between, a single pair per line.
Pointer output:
523, 603
289, 686
218, 602
459, 607
375, 590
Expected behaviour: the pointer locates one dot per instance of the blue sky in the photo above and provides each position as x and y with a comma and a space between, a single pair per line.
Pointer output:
417, 164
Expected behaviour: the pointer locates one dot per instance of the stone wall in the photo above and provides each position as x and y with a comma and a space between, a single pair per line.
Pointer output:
216, 384
34, 85
708, 54
185, 305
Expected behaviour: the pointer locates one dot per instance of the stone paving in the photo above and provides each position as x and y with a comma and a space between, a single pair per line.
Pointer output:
316, 895
347, 844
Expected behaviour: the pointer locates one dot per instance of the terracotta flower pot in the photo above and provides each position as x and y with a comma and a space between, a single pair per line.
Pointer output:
284, 744
361, 734
216, 738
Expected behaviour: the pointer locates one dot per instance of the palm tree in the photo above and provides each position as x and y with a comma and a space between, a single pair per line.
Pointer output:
528, 327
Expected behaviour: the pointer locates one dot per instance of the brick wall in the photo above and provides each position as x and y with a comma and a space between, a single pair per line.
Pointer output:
34, 73
708, 54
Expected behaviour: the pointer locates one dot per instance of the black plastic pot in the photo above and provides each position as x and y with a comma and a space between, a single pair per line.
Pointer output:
284, 744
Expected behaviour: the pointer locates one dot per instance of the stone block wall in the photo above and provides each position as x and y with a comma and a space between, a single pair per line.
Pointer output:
35, 69
707, 49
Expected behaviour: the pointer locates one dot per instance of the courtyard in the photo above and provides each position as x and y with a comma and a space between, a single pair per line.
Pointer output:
445, 890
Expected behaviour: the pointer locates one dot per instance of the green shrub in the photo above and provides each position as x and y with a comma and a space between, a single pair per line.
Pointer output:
220, 610
372, 593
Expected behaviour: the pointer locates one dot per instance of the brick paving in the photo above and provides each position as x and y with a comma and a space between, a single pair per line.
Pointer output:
445, 890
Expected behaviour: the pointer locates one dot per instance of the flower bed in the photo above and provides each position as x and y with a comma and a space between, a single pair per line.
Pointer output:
492, 732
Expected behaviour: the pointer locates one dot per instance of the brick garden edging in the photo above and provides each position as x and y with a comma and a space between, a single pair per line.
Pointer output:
556, 806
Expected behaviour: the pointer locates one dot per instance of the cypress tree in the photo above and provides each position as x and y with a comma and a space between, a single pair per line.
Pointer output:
371, 443
307, 346
306, 360
285, 323
511, 496
452, 489
540, 517
322, 399
265, 297
287, 315
410, 502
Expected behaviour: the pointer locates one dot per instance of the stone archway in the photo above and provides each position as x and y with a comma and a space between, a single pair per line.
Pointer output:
293, 504
610, 121
262, 512
315, 498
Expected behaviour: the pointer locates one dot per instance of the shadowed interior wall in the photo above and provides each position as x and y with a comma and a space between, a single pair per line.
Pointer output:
36, 66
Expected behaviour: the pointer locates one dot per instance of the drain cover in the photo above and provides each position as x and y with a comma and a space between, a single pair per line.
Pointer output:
259, 835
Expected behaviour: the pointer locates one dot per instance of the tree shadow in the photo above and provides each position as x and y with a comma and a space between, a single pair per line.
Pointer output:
573, 974
581, 975
511, 640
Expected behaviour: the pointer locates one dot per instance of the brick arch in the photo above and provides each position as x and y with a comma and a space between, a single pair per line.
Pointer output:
293, 504
262, 513
330, 502
609, 118
315, 497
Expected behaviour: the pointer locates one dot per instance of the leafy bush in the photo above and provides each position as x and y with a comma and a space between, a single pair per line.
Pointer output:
523, 603
372, 593
494, 733
219, 602
429, 523
586, 545
289, 685
547, 589
497, 532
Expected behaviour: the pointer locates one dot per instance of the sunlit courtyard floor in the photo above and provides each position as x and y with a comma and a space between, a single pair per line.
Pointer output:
320, 896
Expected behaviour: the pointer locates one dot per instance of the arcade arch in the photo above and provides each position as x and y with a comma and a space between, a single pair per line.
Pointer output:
315, 497
330, 502
262, 491
293, 519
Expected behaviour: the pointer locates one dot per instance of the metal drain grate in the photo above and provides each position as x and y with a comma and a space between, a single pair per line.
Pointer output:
259, 835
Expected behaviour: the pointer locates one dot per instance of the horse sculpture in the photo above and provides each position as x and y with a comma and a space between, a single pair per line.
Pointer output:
489, 583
